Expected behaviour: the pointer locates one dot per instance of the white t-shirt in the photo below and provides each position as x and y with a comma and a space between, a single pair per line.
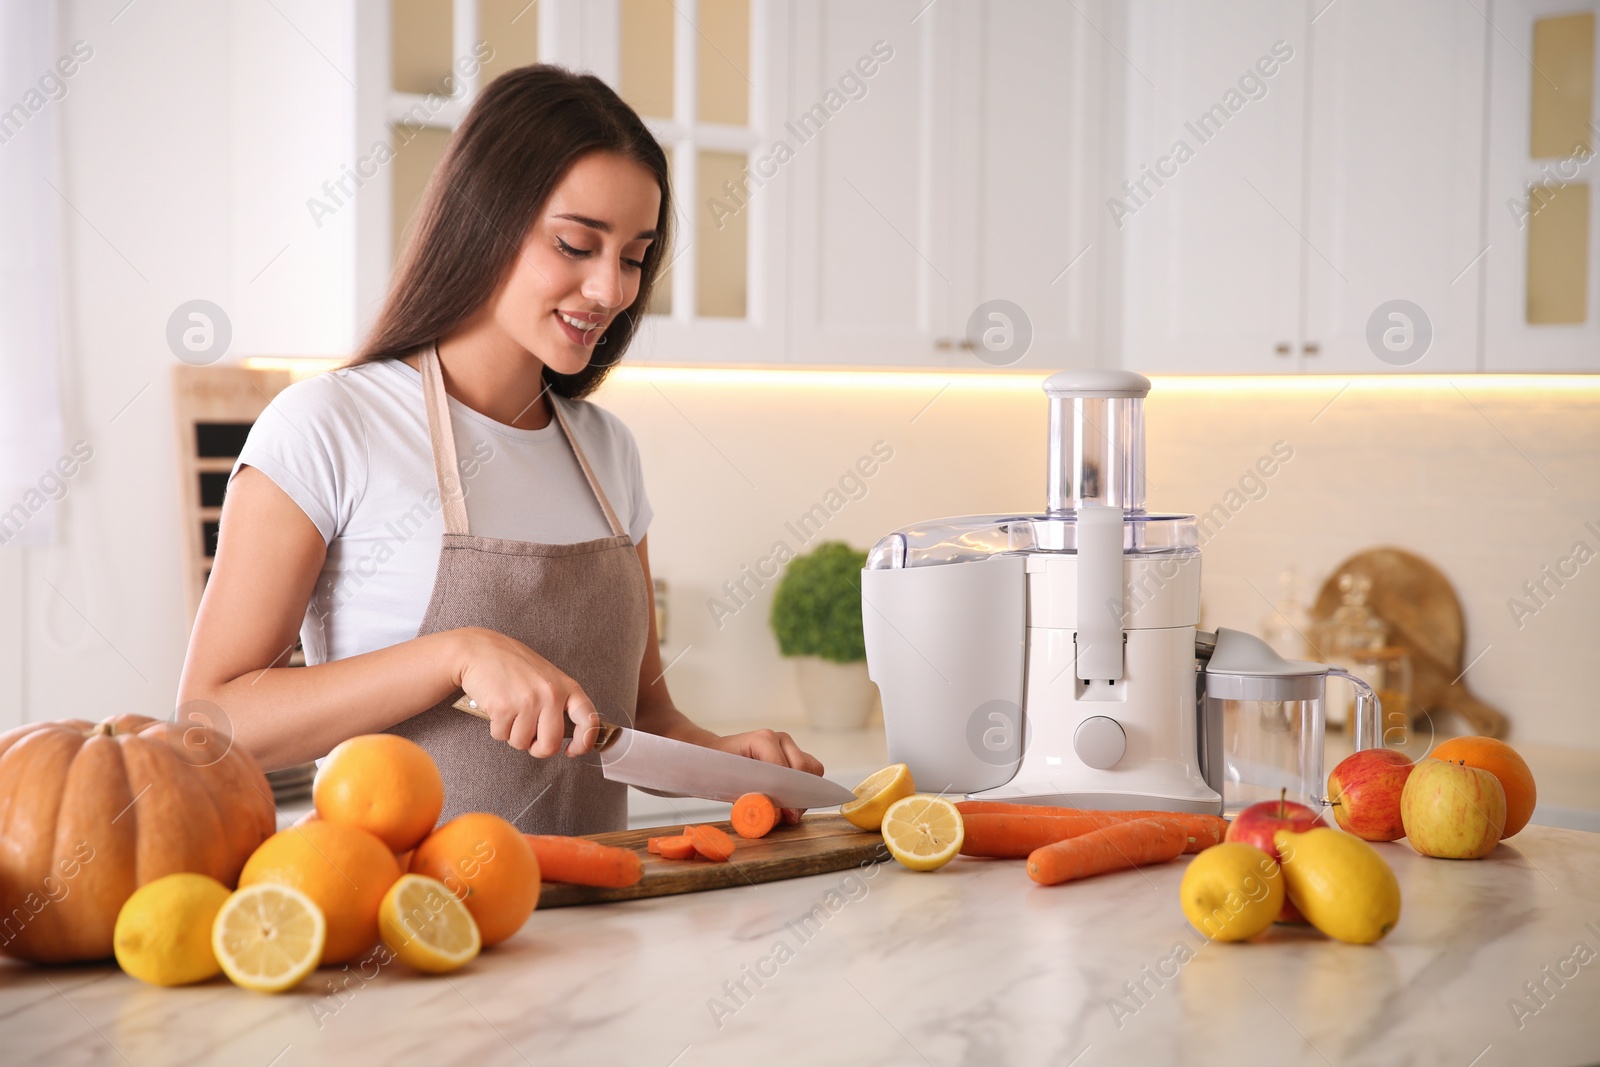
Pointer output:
350, 447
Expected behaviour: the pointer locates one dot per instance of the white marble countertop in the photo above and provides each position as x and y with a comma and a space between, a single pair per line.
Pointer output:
972, 964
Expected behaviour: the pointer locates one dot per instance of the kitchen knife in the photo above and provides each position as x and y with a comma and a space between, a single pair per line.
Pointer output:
650, 761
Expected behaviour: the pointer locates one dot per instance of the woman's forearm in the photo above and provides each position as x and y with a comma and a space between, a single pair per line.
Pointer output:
666, 720
289, 715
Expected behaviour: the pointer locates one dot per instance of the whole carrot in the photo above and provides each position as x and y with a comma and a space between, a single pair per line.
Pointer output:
1203, 831
581, 862
1016, 836
1138, 843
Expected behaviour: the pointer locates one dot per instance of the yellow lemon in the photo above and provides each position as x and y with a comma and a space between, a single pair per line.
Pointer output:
923, 832
875, 794
1340, 883
268, 937
426, 926
163, 932
1231, 891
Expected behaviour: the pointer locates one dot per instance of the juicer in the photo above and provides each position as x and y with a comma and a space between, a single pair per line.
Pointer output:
1056, 658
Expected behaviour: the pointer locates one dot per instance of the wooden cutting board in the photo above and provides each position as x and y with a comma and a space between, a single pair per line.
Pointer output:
818, 844
1424, 616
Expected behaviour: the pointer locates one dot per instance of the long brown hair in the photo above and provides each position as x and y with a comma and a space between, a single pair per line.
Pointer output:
518, 140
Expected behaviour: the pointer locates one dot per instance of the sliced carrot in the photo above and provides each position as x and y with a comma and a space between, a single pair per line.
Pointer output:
754, 814
710, 842
653, 846
1137, 843
582, 862
1203, 831
675, 848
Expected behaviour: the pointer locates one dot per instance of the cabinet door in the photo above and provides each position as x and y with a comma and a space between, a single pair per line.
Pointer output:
1394, 187
1036, 207
1542, 292
709, 78
1208, 209
876, 276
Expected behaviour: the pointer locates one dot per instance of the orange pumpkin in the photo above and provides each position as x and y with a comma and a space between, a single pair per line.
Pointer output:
89, 812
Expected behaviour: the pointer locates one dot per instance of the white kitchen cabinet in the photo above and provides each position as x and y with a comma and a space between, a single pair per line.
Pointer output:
1352, 181
1527, 185
1394, 186
1209, 203
961, 174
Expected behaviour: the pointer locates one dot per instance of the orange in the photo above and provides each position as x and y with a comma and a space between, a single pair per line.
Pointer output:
483, 860
1502, 761
343, 869
385, 784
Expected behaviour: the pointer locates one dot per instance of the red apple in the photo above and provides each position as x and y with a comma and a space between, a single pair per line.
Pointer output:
1256, 824
1364, 792
1452, 810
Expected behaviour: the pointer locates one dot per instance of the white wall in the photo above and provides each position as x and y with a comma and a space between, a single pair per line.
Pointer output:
1456, 476
189, 142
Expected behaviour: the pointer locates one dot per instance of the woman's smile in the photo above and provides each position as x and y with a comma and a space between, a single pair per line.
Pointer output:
582, 328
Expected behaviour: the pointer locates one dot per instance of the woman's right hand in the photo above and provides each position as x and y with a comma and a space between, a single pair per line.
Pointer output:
527, 699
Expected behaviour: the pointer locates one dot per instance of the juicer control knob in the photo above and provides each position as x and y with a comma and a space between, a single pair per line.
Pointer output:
1100, 742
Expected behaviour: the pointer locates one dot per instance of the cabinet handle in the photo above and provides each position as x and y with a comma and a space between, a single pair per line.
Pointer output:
1311, 348
1282, 348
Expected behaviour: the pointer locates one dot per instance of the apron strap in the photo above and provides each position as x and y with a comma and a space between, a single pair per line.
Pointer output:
443, 441
583, 461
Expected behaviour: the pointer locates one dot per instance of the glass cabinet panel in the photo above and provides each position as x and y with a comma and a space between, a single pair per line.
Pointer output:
723, 86
721, 237
1563, 85
645, 53
511, 29
419, 46
417, 150
1558, 255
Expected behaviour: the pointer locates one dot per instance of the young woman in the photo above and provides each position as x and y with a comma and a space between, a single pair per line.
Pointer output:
447, 514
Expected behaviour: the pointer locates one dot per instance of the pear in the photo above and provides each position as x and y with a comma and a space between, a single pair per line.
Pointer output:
1340, 883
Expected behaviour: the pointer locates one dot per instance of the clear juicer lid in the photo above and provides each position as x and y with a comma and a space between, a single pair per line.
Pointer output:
973, 537
1095, 459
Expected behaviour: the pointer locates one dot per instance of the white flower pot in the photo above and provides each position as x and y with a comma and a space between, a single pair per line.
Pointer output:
835, 696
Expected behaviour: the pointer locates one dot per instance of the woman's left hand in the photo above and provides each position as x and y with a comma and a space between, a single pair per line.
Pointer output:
770, 746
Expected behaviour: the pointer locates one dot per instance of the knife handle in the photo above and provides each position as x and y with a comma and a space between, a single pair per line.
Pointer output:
608, 732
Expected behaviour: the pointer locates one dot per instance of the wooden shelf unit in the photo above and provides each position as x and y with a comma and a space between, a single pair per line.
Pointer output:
213, 410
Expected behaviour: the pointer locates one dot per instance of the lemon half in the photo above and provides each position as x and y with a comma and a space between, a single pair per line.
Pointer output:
923, 832
875, 794
268, 937
427, 926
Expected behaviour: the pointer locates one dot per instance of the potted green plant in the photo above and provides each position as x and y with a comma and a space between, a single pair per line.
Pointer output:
816, 615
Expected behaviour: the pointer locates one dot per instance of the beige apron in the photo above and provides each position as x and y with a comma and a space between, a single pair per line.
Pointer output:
581, 606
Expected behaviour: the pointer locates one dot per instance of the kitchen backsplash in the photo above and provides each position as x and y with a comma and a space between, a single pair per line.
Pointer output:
1497, 481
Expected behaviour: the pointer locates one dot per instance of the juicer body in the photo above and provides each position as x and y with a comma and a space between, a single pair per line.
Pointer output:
978, 666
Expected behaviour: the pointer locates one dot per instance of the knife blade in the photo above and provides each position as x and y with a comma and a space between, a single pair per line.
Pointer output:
650, 761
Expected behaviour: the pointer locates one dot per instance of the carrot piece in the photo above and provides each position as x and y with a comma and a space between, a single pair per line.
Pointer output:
1015, 836
710, 842
675, 848
653, 846
1203, 831
583, 862
754, 814
1136, 843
